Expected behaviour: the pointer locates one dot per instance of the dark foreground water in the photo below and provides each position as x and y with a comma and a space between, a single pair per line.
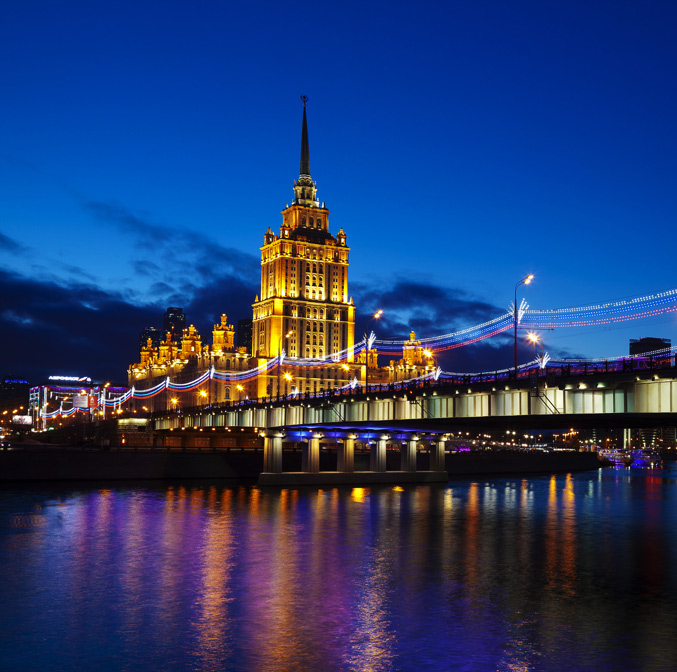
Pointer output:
571, 573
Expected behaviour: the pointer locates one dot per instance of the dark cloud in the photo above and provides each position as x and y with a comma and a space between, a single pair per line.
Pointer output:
433, 310
183, 261
48, 329
50, 326
425, 308
12, 246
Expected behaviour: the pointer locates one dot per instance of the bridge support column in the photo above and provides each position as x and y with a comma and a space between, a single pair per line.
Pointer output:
437, 459
378, 455
346, 455
408, 455
310, 459
272, 454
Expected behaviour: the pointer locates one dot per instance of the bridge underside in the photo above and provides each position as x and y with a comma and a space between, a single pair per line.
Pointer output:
560, 421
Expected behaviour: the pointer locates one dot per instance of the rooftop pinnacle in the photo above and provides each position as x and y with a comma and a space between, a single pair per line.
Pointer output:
305, 154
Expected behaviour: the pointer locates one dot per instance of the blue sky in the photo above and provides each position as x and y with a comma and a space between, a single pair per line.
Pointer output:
145, 147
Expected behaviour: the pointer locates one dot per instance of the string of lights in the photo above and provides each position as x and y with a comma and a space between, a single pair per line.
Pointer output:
605, 313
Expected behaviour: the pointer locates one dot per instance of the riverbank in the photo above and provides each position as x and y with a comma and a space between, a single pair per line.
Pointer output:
55, 463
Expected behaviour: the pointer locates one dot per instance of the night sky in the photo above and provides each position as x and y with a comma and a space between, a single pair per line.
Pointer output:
145, 148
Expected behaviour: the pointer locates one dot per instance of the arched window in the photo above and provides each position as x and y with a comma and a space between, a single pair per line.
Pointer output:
227, 393
311, 221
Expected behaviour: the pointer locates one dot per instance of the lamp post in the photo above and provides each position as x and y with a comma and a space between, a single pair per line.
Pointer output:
375, 316
523, 281
279, 358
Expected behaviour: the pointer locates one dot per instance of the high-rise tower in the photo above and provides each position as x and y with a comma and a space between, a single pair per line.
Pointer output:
304, 307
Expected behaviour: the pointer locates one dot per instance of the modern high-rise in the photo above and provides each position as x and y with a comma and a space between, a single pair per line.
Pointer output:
174, 322
152, 333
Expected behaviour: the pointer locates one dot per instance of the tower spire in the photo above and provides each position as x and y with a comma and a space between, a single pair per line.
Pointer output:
305, 190
305, 153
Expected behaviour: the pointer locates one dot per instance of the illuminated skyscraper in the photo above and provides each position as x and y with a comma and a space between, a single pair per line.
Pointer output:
304, 307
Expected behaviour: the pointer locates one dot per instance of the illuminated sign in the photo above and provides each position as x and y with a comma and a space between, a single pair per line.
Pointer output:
80, 401
22, 420
74, 379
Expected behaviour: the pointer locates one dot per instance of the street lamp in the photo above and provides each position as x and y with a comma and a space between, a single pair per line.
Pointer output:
523, 281
279, 358
375, 316
536, 339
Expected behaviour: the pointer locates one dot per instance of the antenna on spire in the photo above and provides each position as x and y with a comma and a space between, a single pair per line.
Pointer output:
305, 100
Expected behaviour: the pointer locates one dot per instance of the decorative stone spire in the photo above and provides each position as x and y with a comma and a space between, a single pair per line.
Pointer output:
305, 190
305, 153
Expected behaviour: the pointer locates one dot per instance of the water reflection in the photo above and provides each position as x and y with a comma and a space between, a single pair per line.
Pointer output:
549, 573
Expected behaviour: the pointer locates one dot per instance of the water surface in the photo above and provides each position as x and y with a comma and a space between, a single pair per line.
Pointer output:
569, 572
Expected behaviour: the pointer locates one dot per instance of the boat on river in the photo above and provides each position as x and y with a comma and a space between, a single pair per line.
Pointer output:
647, 457
616, 456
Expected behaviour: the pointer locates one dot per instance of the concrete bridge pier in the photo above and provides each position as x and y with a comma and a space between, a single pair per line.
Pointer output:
310, 458
437, 459
345, 461
378, 454
408, 454
272, 454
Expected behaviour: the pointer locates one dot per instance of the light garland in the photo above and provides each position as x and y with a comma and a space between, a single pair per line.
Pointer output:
605, 313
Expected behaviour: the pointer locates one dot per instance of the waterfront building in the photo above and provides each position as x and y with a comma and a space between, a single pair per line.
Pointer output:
303, 310
185, 359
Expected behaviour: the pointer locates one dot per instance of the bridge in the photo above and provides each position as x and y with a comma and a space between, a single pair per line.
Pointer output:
633, 393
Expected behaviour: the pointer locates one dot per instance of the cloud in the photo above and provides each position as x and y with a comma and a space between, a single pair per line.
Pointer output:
432, 310
51, 326
423, 307
183, 260
12, 246
48, 329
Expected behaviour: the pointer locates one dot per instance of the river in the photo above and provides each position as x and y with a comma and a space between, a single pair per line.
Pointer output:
570, 572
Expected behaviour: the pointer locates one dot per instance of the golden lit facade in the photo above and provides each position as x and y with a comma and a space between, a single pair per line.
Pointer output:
186, 361
304, 307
